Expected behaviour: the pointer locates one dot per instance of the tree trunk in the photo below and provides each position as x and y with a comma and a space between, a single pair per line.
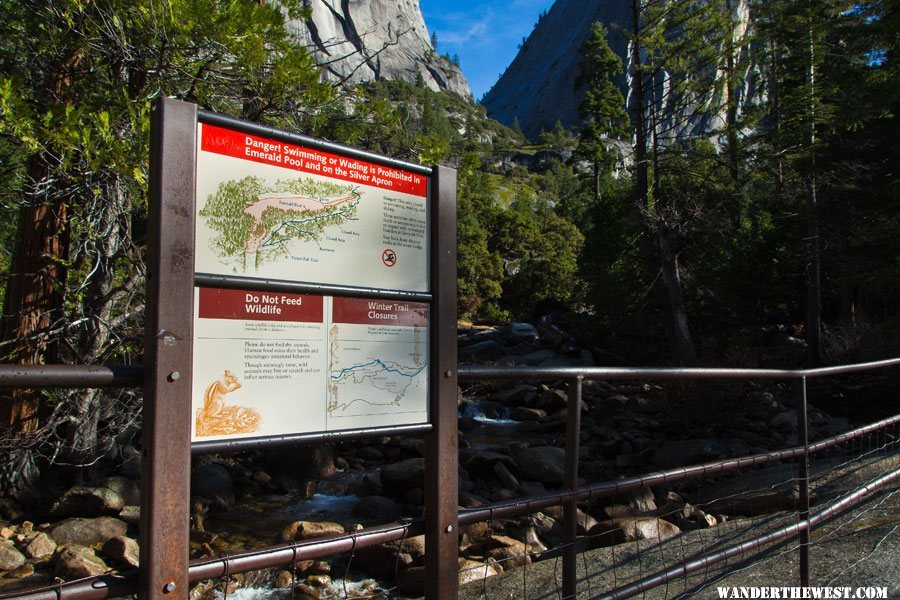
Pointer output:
814, 259
110, 218
34, 296
670, 296
731, 102
680, 341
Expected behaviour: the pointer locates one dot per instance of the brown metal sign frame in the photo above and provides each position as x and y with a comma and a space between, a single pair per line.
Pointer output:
169, 352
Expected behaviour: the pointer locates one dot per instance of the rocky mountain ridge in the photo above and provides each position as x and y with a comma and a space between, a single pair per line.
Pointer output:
538, 88
366, 40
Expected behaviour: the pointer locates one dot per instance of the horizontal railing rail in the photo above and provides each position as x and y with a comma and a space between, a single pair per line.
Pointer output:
125, 582
520, 373
71, 376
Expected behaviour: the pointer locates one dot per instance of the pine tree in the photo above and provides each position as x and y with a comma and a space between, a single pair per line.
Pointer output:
803, 101
602, 110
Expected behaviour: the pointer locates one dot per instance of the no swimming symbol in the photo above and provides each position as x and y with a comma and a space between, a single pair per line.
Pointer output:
389, 258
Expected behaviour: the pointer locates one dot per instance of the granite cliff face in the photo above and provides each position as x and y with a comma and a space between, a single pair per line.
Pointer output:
538, 87
355, 41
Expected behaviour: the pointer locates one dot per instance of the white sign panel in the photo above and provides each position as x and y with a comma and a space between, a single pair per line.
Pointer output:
270, 209
269, 364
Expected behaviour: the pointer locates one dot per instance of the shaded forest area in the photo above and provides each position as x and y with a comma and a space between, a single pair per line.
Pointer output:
779, 228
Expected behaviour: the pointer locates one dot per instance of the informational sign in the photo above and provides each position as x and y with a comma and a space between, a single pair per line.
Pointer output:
270, 209
271, 364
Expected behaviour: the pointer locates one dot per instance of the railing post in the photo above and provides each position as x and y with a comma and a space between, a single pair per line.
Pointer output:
570, 508
168, 357
441, 444
803, 476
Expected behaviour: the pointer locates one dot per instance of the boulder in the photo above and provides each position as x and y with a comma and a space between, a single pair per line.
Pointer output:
403, 476
85, 501
641, 500
23, 572
131, 514
523, 413
303, 462
10, 558
784, 421
40, 546
519, 394
523, 333
76, 562
541, 463
687, 452
284, 580
122, 550
619, 511
547, 528
617, 531
480, 351
510, 557
288, 485
480, 463
414, 546
553, 400
532, 540
381, 561
10, 510
584, 521
213, 481
470, 570
305, 530
87, 532
129, 489
752, 493
470, 500
506, 479
377, 509
319, 580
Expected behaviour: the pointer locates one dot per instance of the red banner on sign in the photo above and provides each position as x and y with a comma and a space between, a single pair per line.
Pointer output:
308, 160
361, 311
245, 305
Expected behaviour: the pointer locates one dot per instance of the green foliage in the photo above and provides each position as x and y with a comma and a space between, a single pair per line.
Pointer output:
77, 79
518, 251
557, 139
603, 119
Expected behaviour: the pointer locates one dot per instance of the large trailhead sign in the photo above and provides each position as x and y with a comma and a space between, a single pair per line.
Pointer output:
278, 216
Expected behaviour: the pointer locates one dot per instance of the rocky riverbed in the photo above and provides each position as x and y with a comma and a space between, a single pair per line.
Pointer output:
510, 440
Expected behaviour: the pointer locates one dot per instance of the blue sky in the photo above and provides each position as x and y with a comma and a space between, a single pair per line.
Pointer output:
485, 34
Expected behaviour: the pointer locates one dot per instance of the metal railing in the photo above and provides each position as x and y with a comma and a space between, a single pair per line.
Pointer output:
125, 582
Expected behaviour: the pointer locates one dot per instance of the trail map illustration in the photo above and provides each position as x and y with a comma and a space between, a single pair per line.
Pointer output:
256, 223
375, 377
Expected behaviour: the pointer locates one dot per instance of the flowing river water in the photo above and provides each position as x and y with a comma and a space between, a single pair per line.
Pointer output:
258, 522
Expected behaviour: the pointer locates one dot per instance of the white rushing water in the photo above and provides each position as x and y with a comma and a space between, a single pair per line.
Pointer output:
338, 589
473, 412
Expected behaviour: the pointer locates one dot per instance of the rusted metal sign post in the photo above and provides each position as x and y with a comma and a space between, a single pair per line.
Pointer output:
300, 292
165, 465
